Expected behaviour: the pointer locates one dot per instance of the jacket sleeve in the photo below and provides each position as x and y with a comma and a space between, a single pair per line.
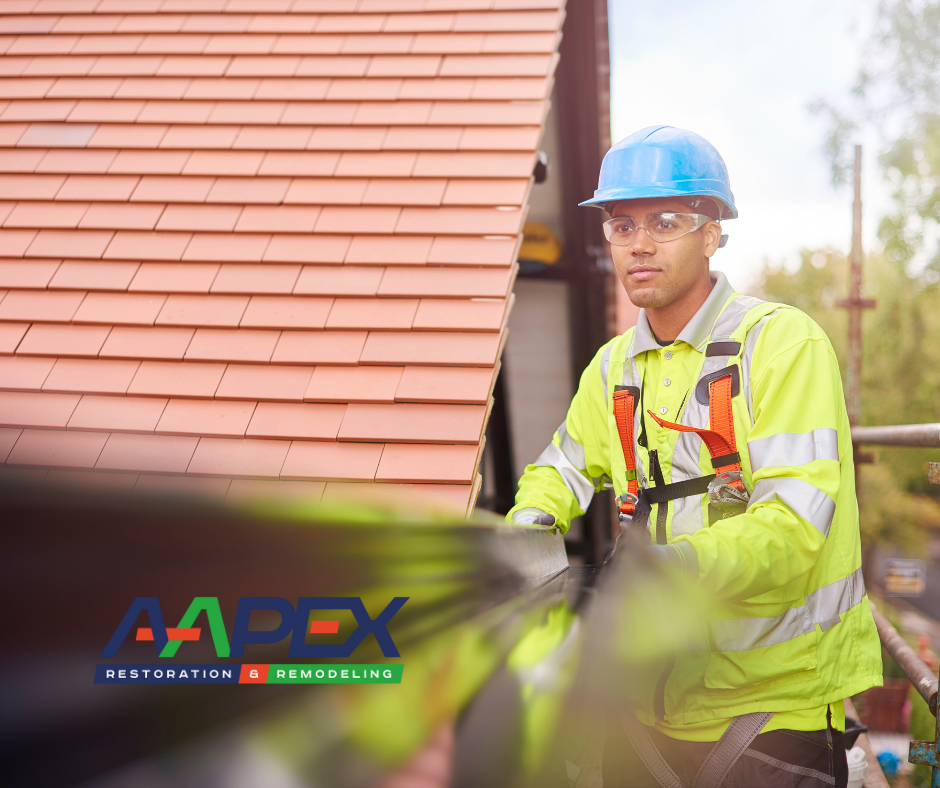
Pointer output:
800, 425
563, 479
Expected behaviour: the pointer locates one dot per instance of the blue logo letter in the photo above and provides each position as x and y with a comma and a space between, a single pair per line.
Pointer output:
378, 627
242, 635
152, 605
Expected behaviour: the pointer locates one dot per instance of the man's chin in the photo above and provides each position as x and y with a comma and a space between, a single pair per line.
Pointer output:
645, 297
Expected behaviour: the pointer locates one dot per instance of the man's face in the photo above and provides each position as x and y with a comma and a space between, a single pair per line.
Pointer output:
658, 274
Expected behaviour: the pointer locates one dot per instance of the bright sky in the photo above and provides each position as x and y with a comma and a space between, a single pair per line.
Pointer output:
741, 74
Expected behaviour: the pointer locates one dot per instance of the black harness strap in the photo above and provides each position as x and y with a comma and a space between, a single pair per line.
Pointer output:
670, 492
662, 512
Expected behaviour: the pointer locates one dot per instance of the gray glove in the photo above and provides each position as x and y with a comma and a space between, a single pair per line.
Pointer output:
532, 517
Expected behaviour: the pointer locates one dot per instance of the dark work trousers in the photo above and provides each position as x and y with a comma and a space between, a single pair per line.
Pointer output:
779, 759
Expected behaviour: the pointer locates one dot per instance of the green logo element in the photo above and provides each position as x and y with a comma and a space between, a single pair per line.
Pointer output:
216, 625
335, 674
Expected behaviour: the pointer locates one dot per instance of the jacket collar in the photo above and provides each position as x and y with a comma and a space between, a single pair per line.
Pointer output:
698, 329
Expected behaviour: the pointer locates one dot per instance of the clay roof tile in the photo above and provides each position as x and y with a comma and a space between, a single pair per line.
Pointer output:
263, 240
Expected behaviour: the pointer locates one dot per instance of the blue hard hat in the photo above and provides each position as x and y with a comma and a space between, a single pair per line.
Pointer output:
663, 161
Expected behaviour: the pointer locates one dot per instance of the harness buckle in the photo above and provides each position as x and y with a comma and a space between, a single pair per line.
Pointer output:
729, 477
626, 505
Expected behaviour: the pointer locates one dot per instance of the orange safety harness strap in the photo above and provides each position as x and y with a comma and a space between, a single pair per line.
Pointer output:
626, 399
719, 440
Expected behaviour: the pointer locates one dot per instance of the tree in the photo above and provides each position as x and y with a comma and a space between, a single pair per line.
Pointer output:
900, 379
896, 95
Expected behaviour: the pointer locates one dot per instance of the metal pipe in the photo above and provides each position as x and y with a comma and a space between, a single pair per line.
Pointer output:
899, 435
916, 670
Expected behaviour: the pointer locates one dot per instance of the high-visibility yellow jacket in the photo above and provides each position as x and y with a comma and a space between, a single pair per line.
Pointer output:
791, 629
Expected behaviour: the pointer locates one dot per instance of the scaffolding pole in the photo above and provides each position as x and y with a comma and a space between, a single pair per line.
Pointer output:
855, 304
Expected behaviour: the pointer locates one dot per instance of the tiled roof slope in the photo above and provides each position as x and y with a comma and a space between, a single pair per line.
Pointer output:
262, 246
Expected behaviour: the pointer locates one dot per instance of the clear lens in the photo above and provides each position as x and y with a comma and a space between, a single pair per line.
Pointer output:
620, 232
661, 227
669, 226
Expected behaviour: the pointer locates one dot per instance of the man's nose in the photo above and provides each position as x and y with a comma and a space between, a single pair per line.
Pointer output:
643, 246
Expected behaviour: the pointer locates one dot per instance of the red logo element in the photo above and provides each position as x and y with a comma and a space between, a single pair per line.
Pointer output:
321, 627
253, 674
184, 633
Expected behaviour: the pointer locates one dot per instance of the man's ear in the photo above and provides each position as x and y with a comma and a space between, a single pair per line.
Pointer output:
712, 238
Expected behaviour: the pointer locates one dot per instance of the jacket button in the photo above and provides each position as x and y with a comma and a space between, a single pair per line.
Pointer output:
667, 382
668, 354
663, 410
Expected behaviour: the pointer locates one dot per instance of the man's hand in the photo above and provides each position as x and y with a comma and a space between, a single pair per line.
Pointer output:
532, 517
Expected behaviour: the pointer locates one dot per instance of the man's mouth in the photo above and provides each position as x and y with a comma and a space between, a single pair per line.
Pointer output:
640, 273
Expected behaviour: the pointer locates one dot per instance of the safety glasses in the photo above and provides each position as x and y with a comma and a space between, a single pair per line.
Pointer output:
661, 227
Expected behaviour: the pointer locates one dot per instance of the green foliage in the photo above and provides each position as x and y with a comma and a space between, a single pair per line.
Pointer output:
889, 515
921, 721
814, 287
897, 96
890, 668
901, 336
923, 728
898, 88
900, 379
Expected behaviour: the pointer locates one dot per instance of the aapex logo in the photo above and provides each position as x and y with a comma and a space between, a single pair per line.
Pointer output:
295, 623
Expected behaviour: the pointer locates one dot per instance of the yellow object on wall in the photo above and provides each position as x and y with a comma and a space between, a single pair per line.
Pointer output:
539, 243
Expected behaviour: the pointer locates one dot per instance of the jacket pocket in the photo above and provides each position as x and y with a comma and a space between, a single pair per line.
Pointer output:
748, 652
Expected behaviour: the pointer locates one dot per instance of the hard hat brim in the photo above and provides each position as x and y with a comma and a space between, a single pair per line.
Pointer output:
697, 188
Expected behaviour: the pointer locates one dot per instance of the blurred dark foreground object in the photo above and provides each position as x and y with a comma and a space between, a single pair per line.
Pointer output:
74, 561
853, 729
512, 661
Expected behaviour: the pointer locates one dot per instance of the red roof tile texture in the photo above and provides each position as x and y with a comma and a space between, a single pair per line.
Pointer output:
262, 249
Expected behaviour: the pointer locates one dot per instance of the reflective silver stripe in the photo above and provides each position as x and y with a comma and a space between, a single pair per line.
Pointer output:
629, 363
605, 366
747, 360
696, 414
804, 500
573, 450
582, 488
790, 449
825, 606
831, 601
637, 417
688, 513
631, 377
805, 771
697, 329
729, 320
744, 634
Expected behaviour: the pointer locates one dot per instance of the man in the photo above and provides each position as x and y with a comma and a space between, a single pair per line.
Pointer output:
720, 422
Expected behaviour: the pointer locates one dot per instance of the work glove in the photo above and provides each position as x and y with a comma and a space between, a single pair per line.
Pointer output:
532, 516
